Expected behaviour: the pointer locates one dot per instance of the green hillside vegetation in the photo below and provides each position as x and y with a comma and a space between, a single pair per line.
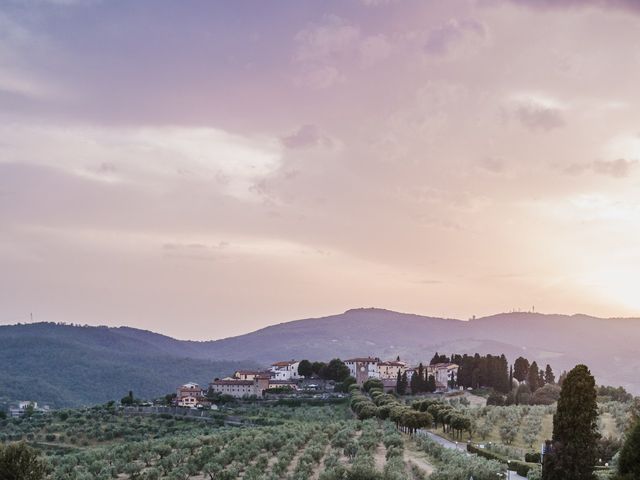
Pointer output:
373, 435
73, 366
277, 442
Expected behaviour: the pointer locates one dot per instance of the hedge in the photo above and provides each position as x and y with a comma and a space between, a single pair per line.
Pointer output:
485, 453
532, 457
521, 468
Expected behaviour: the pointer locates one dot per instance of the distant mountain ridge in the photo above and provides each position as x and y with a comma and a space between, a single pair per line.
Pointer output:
122, 358
67, 365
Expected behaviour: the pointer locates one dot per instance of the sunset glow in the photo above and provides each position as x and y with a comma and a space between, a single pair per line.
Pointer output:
210, 169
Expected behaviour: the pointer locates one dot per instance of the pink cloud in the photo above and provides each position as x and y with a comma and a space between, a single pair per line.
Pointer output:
441, 39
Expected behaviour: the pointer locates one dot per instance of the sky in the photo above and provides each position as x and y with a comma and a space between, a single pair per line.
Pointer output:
204, 169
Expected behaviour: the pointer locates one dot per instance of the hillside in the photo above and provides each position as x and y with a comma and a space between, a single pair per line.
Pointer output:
608, 346
76, 365
70, 366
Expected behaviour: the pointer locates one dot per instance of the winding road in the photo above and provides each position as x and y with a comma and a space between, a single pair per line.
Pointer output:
460, 446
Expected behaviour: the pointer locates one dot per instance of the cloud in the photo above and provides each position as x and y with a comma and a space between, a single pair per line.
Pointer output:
326, 49
330, 38
540, 117
492, 164
374, 49
428, 281
148, 157
197, 251
632, 5
442, 39
304, 137
22, 52
619, 168
319, 77
377, 3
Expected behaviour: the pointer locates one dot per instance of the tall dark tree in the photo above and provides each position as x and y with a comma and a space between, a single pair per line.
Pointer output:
629, 461
521, 369
401, 383
414, 383
502, 383
561, 378
533, 377
128, 400
420, 381
305, 369
431, 384
439, 359
575, 429
549, 377
482, 371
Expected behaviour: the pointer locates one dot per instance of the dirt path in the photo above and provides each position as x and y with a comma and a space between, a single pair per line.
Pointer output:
414, 457
294, 461
320, 466
343, 458
380, 456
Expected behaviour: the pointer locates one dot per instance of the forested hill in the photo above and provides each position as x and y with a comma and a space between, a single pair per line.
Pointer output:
68, 365
610, 347
78, 365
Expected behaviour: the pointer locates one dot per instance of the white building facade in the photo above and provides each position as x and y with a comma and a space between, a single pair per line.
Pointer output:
285, 370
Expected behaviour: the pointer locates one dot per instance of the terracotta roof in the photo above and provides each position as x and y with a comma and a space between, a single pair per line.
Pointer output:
283, 364
393, 363
364, 360
233, 382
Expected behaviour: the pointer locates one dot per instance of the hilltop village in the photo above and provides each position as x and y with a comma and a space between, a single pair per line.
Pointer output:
297, 377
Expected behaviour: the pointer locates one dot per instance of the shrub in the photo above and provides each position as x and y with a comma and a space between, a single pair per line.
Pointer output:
532, 457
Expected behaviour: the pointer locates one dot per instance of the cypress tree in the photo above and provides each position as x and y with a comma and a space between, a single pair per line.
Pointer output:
503, 385
629, 462
414, 383
533, 377
431, 384
549, 377
575, 429
521, 369
400, 388
420, 384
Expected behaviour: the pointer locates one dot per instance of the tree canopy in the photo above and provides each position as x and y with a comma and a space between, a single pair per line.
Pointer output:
20, 462
575, 429
305, 369
629, 461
